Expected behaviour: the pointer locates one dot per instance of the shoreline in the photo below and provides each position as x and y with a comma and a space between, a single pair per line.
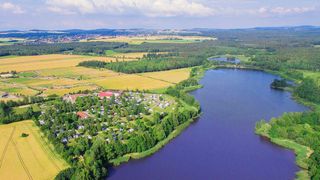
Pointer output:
157, 147
125, 158
302, 153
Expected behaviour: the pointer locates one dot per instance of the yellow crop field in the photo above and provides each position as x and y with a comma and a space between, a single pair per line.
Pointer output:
54, 82
39, 58
25, 91
172, 76
130, 82
58, 74
77, 72
63, 91
32, 63
28, 157
16, 89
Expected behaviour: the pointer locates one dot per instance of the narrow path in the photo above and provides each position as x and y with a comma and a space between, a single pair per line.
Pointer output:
43, 147
21, 160
156, 79
6, 146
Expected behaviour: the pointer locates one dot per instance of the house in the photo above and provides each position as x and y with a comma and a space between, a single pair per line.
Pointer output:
73, 97
41, 122
108, 94
82, 115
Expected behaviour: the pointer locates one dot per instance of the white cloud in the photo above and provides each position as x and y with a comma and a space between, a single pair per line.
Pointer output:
271, 11
7, 6
157, 8
295, 10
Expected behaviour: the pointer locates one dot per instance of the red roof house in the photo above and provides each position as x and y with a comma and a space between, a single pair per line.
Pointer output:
106, 94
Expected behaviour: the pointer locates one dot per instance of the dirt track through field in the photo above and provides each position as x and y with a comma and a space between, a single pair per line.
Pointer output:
21, 160
6, 146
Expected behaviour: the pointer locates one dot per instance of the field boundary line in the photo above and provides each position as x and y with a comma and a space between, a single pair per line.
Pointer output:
6, 146
21, 160
45, 149
155, 78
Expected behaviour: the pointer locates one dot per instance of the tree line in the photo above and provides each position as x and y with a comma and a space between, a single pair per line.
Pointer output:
303, 128
97, 48
147, 65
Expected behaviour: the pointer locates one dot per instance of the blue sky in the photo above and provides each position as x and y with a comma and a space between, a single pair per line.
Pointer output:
92, 14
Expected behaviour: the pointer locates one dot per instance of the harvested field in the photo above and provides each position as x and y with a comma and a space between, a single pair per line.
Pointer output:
28, 157
31, 63
77, 72
16, 89
63, 91
172, 76
59, 74
130, 82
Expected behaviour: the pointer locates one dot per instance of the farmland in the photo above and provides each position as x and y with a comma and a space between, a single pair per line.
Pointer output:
172, 76
59, 74
131, 82
28, 157
32, 63
150, 39
10, 41
76, 72
62, 91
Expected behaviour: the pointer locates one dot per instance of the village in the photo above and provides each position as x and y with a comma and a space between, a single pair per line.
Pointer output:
113, 115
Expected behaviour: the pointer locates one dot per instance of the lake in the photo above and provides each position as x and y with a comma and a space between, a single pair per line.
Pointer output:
221, 144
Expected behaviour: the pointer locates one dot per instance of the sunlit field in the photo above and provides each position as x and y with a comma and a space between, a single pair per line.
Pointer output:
172, 76
77, 72
130, 82
30, 157
31, 63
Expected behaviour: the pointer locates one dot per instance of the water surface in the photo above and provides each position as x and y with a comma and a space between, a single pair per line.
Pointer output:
222, 144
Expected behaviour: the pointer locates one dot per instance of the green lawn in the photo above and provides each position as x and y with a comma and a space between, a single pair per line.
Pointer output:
28, 74
312, 74
110, 53
23, 109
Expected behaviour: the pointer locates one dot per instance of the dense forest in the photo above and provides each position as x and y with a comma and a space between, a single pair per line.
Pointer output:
308, 89
148, 64
97, 48
303, 128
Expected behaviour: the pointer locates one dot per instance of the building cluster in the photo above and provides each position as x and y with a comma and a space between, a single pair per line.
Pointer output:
115, 124
103, 94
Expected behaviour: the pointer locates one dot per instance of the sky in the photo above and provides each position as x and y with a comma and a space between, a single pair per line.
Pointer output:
173, 14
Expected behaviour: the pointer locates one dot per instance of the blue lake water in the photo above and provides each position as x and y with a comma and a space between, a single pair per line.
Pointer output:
221, 144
